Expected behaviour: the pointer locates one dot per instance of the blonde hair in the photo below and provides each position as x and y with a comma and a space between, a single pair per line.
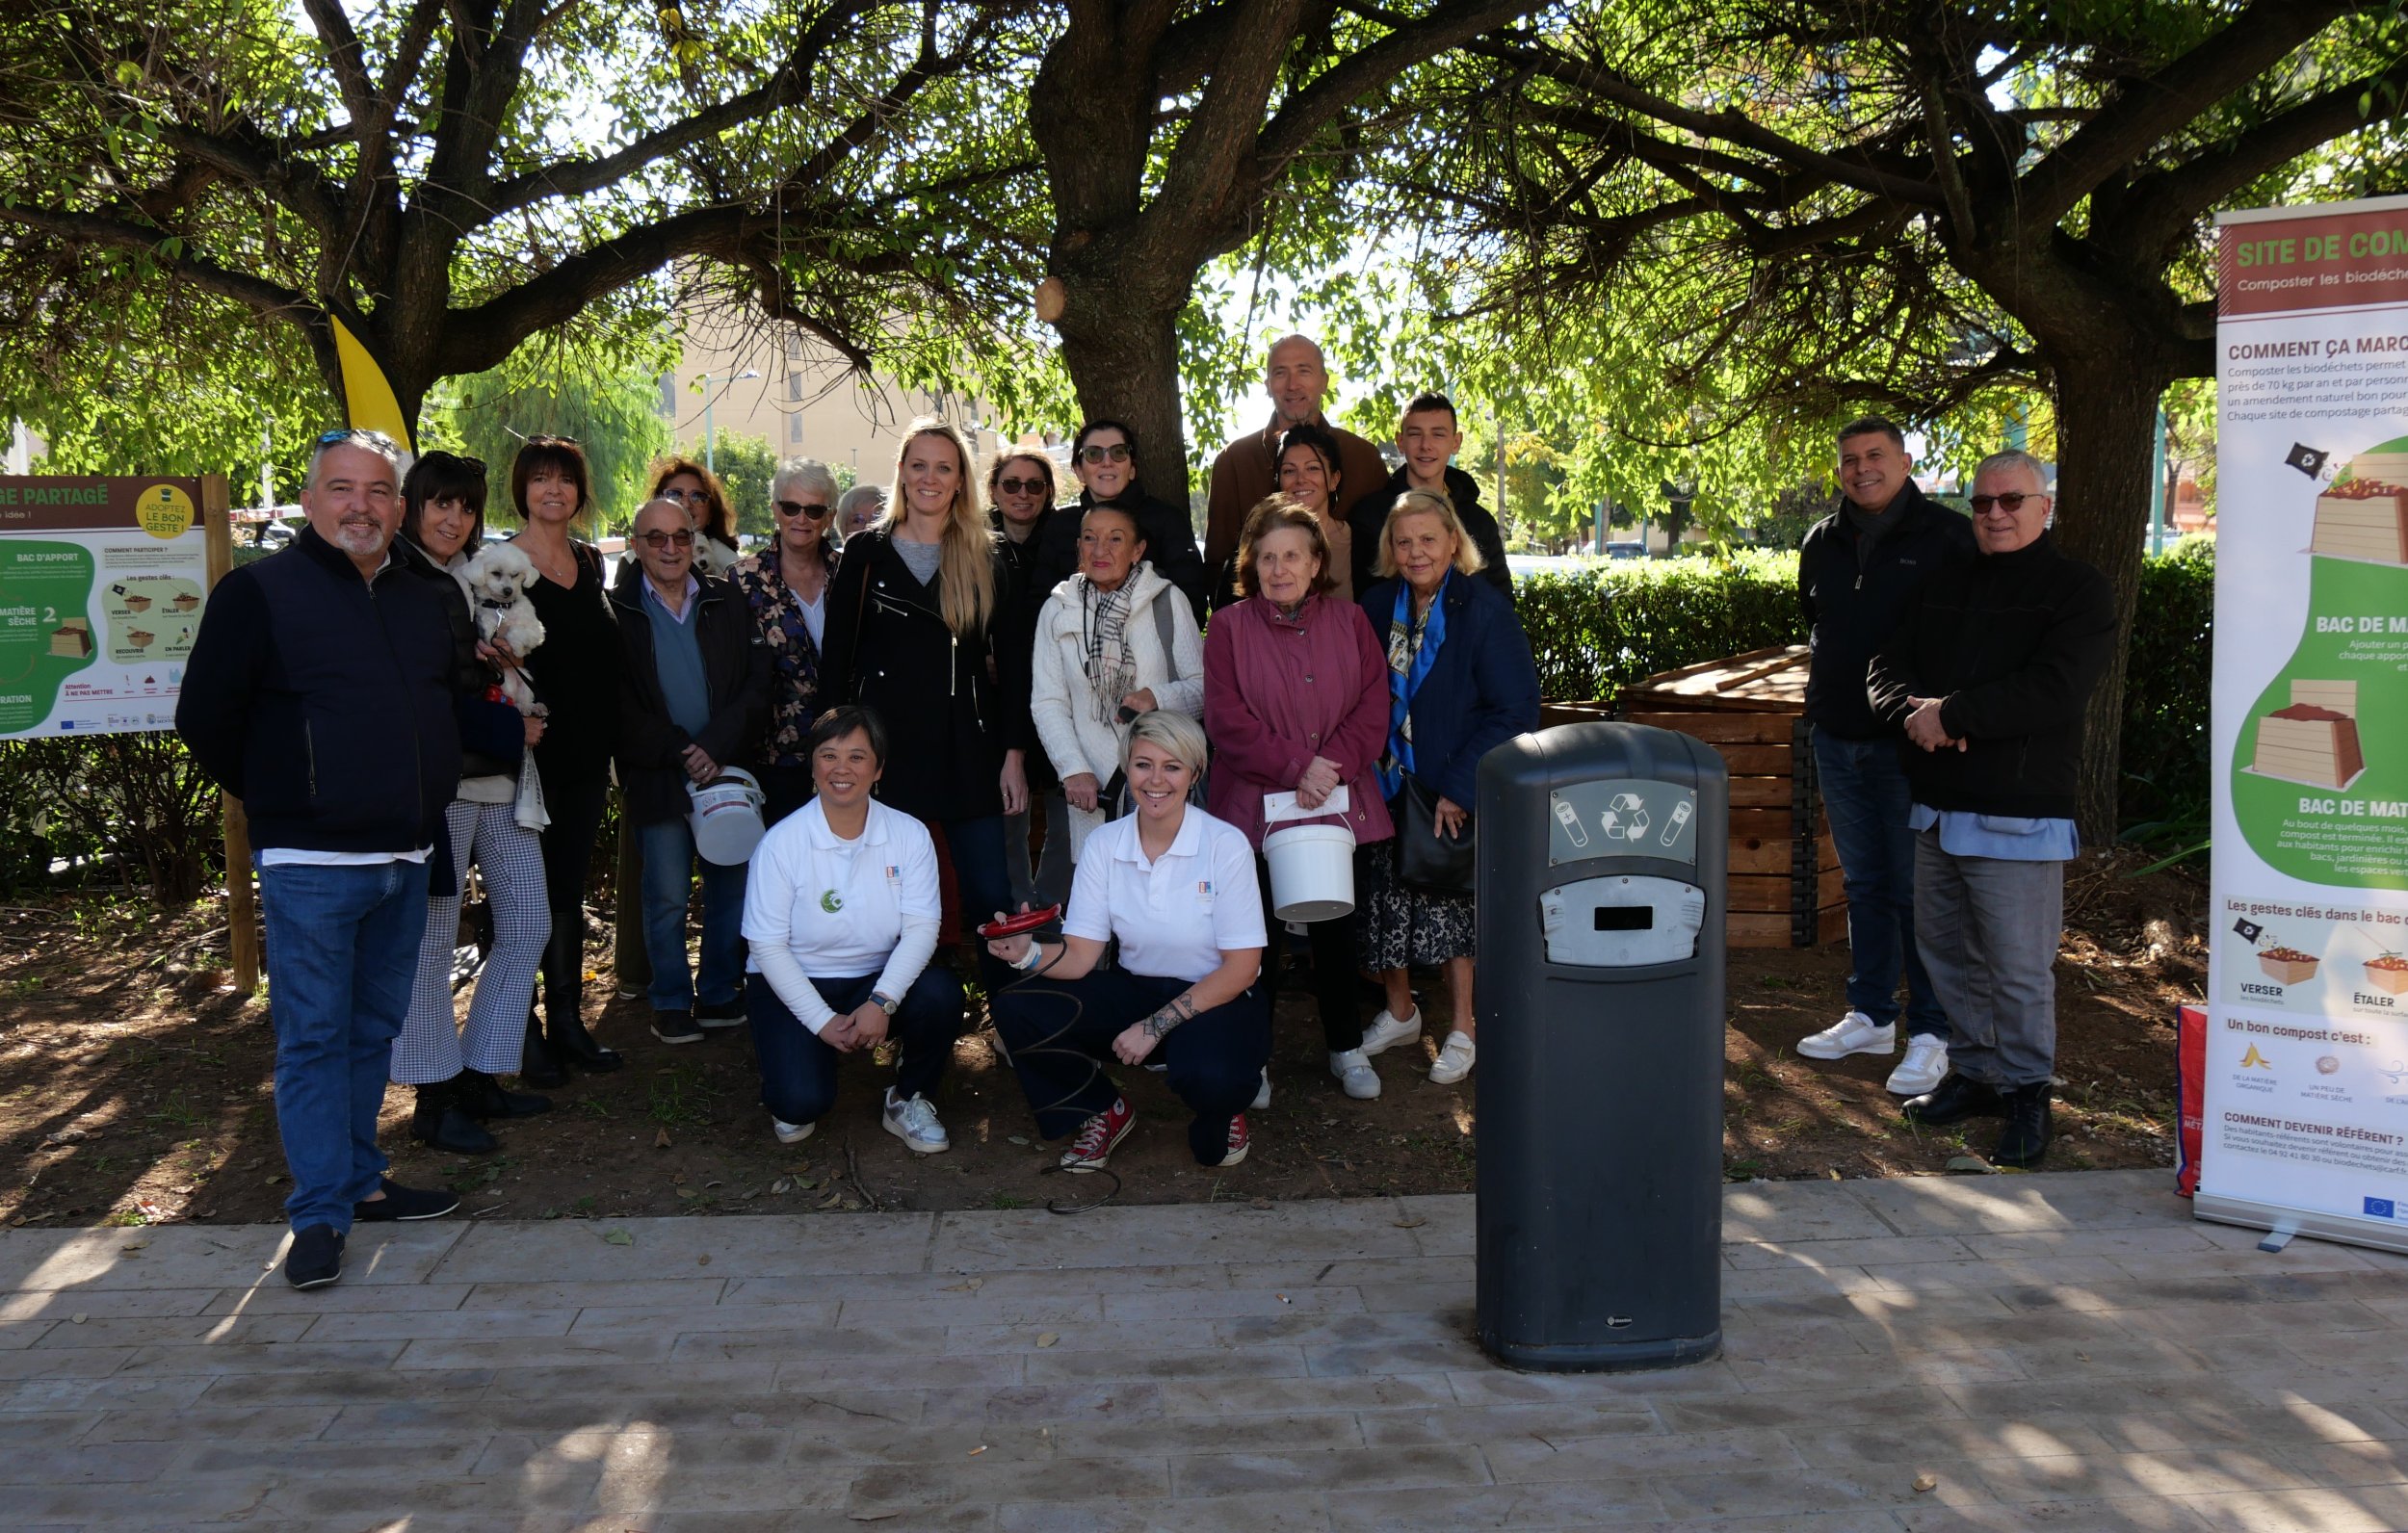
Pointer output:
1172, 731
1427, 503
966, 548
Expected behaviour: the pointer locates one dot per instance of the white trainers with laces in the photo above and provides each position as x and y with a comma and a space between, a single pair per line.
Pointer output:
1387, 1030
1852, 1034
1925, 1066
1455, 1060
1355, 1074
913, 1121
1262, 1098
791, 1132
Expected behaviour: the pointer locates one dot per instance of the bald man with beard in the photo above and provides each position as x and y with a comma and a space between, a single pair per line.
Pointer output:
1247, 469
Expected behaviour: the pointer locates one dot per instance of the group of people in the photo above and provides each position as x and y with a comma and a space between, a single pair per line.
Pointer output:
1954, 663
903, 679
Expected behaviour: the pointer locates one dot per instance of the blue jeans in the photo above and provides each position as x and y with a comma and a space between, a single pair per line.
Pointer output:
799, 1072
1866, 798
669, 864
342, 953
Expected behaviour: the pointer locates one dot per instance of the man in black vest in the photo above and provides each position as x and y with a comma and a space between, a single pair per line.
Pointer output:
1857, 571
1428, 436
320, 693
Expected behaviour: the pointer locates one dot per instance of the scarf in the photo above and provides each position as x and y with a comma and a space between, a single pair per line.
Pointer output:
1409, 660
1111, 671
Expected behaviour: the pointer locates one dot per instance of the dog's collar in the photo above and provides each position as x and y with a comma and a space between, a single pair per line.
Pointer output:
492, 605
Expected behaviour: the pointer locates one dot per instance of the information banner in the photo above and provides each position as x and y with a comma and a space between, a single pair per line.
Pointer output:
102, 581
2306, 1101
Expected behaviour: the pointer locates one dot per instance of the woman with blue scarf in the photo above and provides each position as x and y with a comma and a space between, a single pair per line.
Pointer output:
1459, 680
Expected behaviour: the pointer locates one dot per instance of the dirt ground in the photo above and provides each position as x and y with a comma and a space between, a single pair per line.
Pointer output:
135, 1089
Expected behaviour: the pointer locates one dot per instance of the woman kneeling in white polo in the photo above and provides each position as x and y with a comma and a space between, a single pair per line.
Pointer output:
1177, 888
840, 910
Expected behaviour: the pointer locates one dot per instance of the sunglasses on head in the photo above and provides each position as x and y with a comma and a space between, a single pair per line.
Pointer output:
655, 539
1117, 452
2010, 503
1022, 486
353, 433
813, 509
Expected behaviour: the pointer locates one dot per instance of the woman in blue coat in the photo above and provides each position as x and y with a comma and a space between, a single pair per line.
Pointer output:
1461, 680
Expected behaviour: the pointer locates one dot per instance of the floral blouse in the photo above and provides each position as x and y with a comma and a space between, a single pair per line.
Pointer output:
793, 656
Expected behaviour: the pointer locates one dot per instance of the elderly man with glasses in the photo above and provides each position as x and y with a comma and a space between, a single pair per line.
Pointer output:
692, 695
320, 692
785, 585
1990, 676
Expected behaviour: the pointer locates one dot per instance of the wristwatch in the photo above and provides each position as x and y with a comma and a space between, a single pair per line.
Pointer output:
885, 1003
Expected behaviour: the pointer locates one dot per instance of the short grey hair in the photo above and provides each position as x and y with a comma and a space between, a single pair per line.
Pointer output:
805, 471
367, 441
1173, 730
876, 494
2014, 457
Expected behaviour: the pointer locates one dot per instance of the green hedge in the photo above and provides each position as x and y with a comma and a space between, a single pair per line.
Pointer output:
1597, 631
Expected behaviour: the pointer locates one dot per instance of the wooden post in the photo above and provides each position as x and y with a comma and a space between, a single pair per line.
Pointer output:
242, 904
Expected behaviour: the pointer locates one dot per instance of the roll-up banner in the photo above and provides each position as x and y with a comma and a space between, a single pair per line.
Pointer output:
2306, 1099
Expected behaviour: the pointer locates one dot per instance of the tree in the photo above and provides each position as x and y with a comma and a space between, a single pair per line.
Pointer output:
432, 186
542, 391
1832, 204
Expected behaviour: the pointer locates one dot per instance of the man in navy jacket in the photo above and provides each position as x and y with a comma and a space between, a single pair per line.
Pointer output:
1858, 571
320, 693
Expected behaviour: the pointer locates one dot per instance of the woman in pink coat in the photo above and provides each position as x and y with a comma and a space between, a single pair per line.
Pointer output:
1296, 699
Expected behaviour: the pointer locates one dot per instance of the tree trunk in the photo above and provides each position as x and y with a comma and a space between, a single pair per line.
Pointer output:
1121, 346
2105, 409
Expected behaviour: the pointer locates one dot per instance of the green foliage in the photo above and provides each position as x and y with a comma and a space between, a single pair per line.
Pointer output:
2167, 694
745, 466
137, 800
547, 392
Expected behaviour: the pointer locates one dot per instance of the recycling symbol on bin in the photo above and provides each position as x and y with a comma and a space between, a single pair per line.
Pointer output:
1625, 819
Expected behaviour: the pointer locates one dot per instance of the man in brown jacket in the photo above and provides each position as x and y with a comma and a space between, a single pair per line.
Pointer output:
1247, 469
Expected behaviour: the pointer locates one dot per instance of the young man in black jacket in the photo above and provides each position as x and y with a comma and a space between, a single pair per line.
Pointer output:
1428, 436
694, 697
320, 692
1989, 676
1857, 572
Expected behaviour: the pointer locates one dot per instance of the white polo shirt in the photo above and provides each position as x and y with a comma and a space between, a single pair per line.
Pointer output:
816, 904
1174, 916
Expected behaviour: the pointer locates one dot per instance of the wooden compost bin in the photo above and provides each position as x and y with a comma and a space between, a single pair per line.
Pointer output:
1785, 889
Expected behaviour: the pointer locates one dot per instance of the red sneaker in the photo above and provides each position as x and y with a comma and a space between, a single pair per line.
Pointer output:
1238, 1141
1093, 1143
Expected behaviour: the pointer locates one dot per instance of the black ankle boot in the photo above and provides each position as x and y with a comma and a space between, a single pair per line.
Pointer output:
2028, 1126
1956, 1099
438, 1124
572, 1045
481, 1097
536, 1066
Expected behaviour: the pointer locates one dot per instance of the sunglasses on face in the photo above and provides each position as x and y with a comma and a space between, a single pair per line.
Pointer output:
2010, 503
815, 511
1117, 453
681, 497
1022, 486
657, 540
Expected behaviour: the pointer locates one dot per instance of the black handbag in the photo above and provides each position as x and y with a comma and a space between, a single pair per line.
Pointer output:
1435, 863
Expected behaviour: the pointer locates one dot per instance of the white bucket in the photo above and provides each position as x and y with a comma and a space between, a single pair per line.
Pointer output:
1312, 871
726, 818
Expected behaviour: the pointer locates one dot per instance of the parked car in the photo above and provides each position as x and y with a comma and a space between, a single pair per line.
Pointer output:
1631, 550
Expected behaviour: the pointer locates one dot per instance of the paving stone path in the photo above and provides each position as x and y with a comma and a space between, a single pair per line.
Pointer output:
2068, 1351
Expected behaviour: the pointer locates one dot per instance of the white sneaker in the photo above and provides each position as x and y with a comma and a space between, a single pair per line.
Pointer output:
1262, 1098
914, 1122
1355, 1074
1387, 1030
791, 1132
1852, 1034
1455, 1060
1927, 1065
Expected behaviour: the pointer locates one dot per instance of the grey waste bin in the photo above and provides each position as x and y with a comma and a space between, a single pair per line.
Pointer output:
1600, 986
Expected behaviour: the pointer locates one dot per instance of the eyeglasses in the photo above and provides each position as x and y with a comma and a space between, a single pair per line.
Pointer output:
1117, 453
657, 540
815, 511
1023, 486
2010, 503
681, 497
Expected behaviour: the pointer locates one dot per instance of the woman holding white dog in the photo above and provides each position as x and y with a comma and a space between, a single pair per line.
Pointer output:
1176, 887
442, 525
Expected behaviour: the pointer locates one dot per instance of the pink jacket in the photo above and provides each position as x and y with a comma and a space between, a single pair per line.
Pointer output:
1276, 695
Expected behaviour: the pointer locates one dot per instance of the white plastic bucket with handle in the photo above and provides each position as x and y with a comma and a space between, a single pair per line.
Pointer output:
1312, 871
726, 816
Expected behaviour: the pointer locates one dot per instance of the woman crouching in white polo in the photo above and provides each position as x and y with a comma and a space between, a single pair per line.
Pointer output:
1177, 888
841, 911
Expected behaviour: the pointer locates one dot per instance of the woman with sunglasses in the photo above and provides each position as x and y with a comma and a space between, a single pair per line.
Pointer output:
785, 585
576, 673
1020, 492
1103, 454
442, 524
700, 491
914, 621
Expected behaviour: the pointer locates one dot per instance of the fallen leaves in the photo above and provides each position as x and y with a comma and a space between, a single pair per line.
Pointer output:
617, 1237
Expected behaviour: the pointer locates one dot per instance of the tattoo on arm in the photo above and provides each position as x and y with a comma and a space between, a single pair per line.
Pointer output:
1171, 1016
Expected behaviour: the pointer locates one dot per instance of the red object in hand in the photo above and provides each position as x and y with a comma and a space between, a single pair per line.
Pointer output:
1014, 925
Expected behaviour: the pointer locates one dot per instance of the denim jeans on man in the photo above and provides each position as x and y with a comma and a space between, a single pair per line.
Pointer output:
669, 864
1865, 797
342, 953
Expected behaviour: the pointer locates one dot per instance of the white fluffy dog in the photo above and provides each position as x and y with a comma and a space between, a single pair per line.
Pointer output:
711, 557
498, 578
